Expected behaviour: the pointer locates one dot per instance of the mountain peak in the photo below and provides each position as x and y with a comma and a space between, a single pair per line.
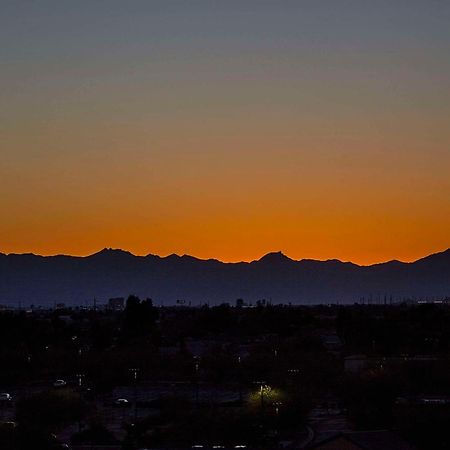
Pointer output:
275, 257
107, 252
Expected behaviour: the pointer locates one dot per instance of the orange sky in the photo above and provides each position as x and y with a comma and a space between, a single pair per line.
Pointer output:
239, 134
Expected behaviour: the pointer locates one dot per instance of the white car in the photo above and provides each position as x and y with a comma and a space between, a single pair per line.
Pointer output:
121, 402
9, 424
59, 383
5, 397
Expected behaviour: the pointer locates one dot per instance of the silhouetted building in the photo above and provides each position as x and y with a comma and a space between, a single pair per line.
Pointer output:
116, 304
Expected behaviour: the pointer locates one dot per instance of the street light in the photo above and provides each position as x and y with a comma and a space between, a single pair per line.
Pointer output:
79, 378
29, 367
240, 378
261, 391
294, 373
197, 366
135, 371
277, 407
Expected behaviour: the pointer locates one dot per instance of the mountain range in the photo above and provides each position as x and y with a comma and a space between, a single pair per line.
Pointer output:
45, 280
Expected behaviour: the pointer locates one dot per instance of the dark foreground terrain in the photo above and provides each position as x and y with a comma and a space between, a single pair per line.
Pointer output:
265, 377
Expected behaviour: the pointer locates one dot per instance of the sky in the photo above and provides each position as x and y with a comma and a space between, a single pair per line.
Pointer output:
226, 129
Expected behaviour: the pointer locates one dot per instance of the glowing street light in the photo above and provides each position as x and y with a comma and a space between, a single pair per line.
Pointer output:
262, 386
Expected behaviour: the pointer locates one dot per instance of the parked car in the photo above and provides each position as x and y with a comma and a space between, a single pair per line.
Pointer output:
59, 383
5, 397
121, 402
8, 425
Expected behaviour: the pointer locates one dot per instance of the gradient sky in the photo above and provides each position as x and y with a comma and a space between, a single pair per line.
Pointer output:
226, 129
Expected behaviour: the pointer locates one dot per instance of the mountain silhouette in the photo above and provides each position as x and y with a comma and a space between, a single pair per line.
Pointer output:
44, 280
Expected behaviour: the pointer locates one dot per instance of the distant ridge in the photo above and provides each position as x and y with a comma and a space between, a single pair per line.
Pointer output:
44, 280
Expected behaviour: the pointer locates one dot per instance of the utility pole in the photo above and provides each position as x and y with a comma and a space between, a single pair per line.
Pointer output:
240, 379
134, 372
197, 365
79, 377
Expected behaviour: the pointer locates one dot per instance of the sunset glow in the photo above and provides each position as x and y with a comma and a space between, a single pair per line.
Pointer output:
225, 131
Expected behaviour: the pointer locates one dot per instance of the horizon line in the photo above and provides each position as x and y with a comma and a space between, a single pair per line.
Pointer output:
278, 252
